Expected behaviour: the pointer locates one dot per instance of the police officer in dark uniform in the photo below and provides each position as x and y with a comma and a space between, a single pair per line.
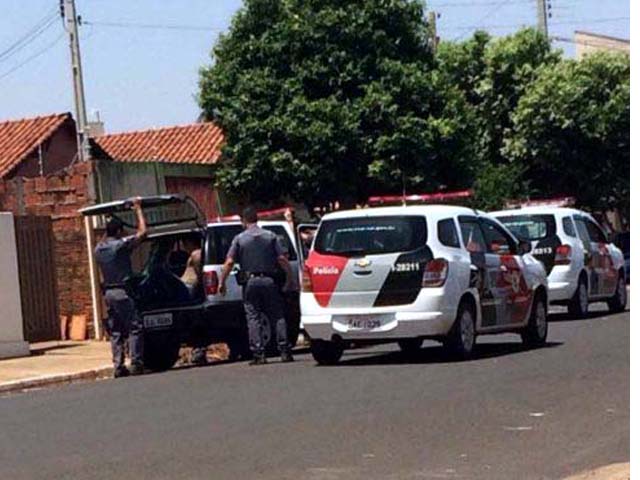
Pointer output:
259, 254
113, 254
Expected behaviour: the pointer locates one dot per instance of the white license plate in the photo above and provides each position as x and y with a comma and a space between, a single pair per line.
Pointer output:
158, 320
362, 322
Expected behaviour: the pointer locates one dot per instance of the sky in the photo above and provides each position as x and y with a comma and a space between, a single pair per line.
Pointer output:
139, 77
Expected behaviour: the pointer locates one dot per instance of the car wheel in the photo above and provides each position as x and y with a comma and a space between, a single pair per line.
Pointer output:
161, 350
618, 302
462, 338
579, 304
410, 345
326, 353
535, 333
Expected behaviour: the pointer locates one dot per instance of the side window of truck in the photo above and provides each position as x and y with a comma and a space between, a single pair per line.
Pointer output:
567, 226
447, 233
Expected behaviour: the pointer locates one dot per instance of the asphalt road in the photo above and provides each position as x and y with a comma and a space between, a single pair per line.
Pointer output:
509, 414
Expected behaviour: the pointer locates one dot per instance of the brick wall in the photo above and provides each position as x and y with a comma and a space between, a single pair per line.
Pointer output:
59, 196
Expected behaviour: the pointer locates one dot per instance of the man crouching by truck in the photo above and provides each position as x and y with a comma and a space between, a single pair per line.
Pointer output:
259, 254
113, 254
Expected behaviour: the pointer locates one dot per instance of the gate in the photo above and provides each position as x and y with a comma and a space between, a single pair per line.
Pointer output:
35, 244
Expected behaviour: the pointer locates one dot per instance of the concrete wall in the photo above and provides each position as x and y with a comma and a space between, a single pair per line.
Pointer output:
587, 43
12, 342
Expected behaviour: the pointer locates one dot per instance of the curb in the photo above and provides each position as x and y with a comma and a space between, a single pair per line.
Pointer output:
47, 380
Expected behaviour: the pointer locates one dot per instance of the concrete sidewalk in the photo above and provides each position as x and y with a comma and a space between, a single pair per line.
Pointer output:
56, 362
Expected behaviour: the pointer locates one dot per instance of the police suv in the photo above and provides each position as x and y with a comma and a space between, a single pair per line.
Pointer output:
581, 264
419, 272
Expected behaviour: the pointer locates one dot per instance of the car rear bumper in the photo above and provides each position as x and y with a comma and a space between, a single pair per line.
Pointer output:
225, 315
395, 325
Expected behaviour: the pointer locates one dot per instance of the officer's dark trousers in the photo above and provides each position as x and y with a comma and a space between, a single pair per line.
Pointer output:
124, 323
263, 308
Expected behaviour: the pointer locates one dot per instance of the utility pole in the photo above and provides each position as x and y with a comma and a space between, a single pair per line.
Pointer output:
71, 20
542, 17
433, 30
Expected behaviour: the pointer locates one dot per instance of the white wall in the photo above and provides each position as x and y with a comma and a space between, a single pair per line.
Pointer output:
12, 342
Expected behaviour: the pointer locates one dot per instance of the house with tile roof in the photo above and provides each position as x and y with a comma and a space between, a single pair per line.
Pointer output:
37, 146
176, 159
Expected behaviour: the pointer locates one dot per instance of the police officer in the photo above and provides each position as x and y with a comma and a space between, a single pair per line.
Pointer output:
113, 255
259, 254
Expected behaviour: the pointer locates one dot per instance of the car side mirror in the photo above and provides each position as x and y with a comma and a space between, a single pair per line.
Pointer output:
524, 247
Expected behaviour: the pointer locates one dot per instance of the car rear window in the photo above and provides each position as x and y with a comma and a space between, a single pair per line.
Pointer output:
530, 227
219, 240
371, 235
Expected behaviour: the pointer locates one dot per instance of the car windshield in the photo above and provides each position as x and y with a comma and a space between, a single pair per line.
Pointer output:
530, 227
371, 235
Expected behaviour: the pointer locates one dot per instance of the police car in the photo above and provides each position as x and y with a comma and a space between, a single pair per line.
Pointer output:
411, 273
581, 264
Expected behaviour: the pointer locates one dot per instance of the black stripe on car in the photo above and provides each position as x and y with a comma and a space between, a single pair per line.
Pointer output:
404, 282
545, 251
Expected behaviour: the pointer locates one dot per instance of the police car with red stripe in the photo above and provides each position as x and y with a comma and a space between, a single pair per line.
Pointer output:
405, 274
583, 266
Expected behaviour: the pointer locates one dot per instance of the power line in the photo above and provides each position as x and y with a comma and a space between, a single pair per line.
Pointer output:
476, 4
489, 13
150, 26
32, 57
568, 22
38, 29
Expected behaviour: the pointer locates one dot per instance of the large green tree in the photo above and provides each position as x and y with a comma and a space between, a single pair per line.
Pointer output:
571, 131
325, 99
494, 74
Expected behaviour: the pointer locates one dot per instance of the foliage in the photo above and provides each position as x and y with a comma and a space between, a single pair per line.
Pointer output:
571, 131
326, 99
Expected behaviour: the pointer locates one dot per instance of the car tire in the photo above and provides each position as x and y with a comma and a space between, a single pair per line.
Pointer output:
535, 333
410, 345
326, 353
161, 350
579, 303
461, 340
618, 302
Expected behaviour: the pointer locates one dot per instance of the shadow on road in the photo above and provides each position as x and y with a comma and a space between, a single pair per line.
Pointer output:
437, 354
566, 317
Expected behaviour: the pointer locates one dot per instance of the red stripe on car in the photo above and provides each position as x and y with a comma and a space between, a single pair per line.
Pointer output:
324, 272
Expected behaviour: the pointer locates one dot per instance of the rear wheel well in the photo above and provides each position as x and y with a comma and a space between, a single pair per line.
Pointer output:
541, 292
469, 299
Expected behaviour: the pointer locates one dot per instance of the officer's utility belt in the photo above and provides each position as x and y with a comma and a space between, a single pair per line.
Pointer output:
261, 275
113, 286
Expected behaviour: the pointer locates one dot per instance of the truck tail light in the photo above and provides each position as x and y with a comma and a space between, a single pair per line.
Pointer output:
211, 283
563, 255
435, 273
306, 280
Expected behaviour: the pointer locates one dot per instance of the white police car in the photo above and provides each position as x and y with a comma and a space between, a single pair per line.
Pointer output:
582, 265
419, 272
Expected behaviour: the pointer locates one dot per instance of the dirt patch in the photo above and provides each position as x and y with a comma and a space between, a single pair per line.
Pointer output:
616, 471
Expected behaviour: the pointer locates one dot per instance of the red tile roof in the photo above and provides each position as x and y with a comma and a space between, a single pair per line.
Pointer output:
199, 143
19, 138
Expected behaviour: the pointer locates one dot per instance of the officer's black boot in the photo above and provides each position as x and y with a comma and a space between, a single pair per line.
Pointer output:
286, 356
258, 359
120, 372
137, 369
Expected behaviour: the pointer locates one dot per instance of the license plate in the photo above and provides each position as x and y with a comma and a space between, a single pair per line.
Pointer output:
363, 323
158, 320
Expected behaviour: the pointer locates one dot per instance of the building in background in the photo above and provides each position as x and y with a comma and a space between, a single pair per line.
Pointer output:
164, 160
589, 42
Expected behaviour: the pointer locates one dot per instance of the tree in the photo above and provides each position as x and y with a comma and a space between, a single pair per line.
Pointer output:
571, 131
327, 99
